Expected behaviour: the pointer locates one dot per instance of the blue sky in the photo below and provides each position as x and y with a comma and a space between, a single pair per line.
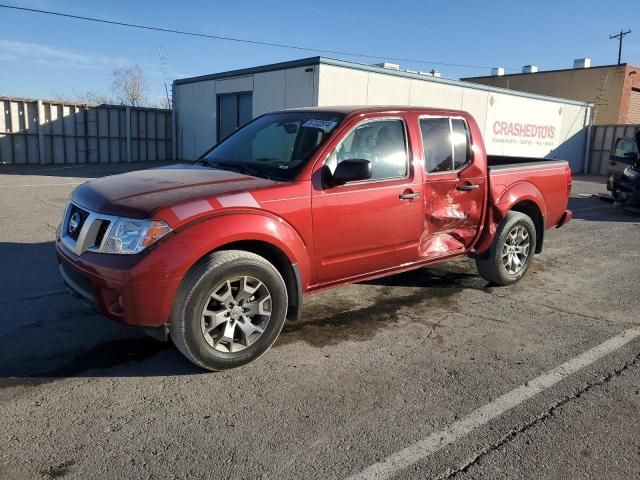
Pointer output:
44, 56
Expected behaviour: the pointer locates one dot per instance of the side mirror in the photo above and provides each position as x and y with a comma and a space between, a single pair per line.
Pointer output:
351, 171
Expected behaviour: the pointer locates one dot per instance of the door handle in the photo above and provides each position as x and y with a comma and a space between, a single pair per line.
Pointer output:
612, 163
467, 187
409, 195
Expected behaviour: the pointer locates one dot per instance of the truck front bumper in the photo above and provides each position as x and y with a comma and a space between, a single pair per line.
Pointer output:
109, 290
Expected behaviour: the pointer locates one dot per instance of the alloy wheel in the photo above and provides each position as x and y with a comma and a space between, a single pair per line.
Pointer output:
515, 250
236, 314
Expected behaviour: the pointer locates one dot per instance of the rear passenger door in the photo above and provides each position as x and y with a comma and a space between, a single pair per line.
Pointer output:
454, 187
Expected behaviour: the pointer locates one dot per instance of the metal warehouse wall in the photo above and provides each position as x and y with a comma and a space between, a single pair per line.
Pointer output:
602, 143
43, 132
195, 103
349, 86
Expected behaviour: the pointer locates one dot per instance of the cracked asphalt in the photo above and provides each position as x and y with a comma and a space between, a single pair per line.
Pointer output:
371, 369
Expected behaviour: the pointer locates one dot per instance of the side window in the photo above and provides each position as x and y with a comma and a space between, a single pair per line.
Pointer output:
625, 148
436, 138
461, 142
381, 142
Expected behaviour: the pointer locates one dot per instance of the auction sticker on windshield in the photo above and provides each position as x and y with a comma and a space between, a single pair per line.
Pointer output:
325, 125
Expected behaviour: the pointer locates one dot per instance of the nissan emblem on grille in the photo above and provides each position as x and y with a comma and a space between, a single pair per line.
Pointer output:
74, 223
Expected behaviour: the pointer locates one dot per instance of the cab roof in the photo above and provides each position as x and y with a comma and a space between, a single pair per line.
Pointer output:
363, 109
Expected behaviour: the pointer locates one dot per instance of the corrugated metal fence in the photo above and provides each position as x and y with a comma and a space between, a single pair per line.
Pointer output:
51, 132
602, 142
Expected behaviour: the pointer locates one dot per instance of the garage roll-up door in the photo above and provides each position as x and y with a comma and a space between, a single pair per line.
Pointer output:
634, 106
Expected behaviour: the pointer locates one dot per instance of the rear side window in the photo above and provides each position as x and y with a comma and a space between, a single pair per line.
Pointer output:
460, 139
446, 144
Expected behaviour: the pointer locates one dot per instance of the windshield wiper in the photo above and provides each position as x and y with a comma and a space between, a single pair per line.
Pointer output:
233, 167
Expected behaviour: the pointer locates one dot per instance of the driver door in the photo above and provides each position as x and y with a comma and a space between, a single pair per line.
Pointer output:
370, 225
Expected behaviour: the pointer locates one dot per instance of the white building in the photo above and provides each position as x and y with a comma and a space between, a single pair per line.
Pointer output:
209, 107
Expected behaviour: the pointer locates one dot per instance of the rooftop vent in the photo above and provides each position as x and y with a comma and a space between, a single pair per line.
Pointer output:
497, 72
530, 69
582, 63
390, 66
432, 73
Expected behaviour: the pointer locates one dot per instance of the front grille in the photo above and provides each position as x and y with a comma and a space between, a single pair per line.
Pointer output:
81, 215
84, 230
104, 226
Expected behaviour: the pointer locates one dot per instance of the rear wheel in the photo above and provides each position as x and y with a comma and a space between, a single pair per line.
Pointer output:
229, 310
511, 252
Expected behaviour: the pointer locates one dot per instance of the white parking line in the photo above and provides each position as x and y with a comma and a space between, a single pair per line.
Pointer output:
40, 185
438, 440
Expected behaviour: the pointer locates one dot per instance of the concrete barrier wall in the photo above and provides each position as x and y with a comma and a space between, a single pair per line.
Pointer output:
602, 140
52, 132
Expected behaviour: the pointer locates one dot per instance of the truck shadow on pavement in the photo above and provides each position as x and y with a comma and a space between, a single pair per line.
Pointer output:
408, 297
596, 210
46, 334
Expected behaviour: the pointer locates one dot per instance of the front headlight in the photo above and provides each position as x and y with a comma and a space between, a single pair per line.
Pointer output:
130, 236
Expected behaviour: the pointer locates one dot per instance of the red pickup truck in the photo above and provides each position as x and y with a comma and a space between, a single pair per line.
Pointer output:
220, 252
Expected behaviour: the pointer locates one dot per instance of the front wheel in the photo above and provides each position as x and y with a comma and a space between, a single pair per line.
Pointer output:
229, 310
511, 251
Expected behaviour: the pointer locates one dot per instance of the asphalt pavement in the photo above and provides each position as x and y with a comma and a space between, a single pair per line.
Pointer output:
427, 374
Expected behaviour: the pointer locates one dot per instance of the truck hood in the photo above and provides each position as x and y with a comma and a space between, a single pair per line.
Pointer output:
137, 194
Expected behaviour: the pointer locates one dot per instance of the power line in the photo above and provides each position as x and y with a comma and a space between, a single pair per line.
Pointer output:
233, 39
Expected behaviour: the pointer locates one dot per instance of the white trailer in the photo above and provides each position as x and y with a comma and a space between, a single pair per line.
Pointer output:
518, 124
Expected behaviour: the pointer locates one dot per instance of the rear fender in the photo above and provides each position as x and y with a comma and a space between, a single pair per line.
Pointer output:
498, 209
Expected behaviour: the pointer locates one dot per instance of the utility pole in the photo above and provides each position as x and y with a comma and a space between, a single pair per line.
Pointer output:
163, 68
620, 36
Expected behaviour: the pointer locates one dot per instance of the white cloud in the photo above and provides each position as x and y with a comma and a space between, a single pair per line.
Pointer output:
45, 55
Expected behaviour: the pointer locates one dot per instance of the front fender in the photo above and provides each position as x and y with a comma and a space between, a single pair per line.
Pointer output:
175, 255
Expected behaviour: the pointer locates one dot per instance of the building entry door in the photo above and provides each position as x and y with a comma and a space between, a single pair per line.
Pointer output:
234, 110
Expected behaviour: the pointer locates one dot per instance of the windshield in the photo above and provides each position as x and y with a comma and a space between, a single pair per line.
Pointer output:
276, 145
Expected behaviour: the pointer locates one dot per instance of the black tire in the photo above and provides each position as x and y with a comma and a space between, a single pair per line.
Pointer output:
490, 265
196, 288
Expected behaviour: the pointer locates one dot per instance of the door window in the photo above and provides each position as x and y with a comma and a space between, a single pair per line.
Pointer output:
626, 148
382, 142
446, 144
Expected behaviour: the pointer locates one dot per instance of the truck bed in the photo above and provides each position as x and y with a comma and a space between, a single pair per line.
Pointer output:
504, 161
551, 178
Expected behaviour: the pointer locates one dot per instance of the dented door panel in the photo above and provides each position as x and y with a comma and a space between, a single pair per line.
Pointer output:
452, 216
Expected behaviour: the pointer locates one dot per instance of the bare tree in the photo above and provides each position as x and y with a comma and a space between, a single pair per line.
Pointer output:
90, 96
129, 86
